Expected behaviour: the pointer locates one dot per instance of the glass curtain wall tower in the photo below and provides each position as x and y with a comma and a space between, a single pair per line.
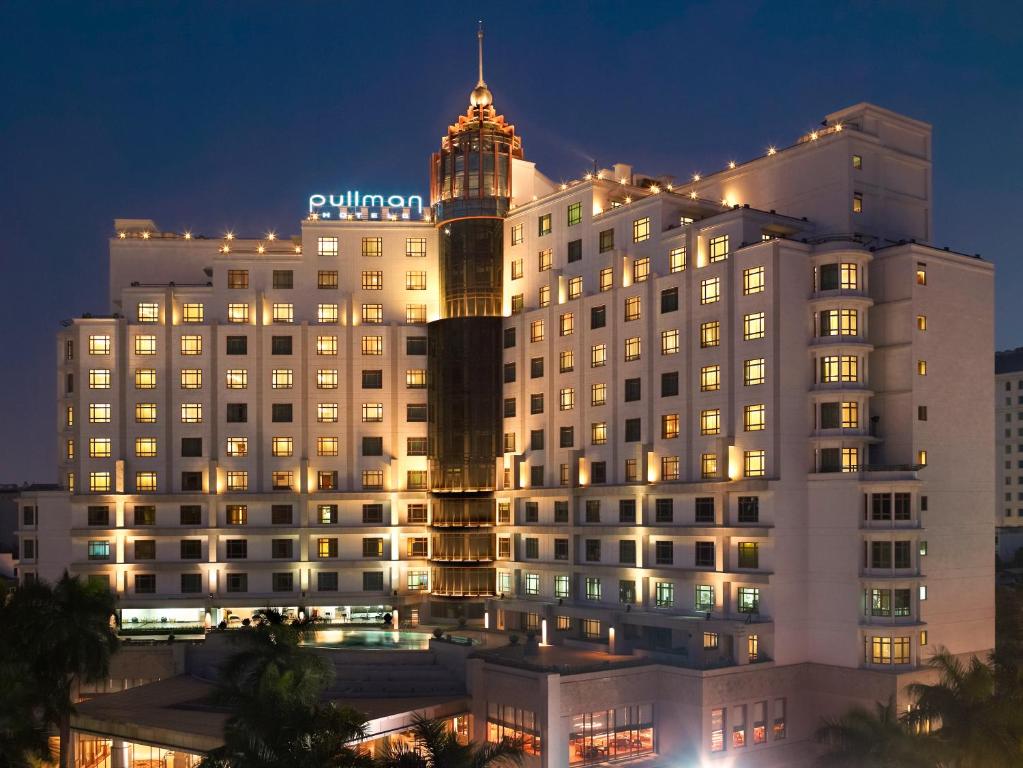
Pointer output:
470, 181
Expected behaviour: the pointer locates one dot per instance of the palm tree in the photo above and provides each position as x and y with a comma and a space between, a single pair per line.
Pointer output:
272, 688
62, 633
981, 724
864, 739
440, 748
22, 732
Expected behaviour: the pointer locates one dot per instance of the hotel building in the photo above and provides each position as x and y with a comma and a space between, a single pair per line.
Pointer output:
735, 428
1009, 451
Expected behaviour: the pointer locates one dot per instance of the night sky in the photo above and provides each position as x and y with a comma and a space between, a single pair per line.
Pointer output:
227, 116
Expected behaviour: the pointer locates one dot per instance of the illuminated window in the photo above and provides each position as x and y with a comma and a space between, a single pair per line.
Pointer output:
237, 378
921, 273
326, 446
326, 345
516, 269
710, 290
575, 214
326, 246
99, 413
145, 345
516, 234
710, 421
606, 279
717, 248
543, 225
669, 426
839, 368
838, 322
282, 378
632, 308
191, 413
237, 514
517, 303
372, 345
145, 447
567, 398
281, 480
145, 482
921, 367
598, 394
191, 345
69, 449
708, 465
921, 322
575, 287
544, 296
598, 433
100, 482
536, 332
598, 355
282, 446
415, 247
148, 312
326, 378
641, 229
237, 313
192, 313
326, 413
99, 447
669, 342
99, 345
677, 259
372, 246
372, 412
145, 413
710, 334
99, 378
921, 458
710, 378
754, 326
850, 459
632, 349
415, 378
753, 371
237, 446
755, 417
749, 599
545, 259
415, 313
640, 270
566, 360
284, 313
415, 281
372, 479
754, 463
857, 202
567, 324
237, 481
752, 280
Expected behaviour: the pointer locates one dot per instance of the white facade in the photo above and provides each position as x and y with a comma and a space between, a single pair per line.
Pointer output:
746, 420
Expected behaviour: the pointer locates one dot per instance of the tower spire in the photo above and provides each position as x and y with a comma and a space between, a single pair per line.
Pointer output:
479, 38
481, 95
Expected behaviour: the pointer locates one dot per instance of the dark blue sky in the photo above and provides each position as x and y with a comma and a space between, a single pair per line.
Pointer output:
228, 115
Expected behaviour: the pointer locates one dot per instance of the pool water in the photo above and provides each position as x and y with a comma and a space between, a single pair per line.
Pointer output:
371, 639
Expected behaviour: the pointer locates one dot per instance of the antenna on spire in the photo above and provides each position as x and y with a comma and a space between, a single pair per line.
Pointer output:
479, 38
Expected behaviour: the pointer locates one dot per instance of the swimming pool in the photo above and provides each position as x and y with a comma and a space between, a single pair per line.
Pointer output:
371, 639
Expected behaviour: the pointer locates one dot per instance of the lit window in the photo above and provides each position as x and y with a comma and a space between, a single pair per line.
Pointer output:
575, 214
710, 334
372, 412
543, 225
749, 599
326, 446
677, 259
237, 446
284, 313
606, 279
516, 234
326, 246
544, 297
282, 378
598, 355
567, 324
857, 203
99, 413
517, 303
415, 378
754, 326
718, 248
326, 345
754, 463
753, 371
237, 378
755, 417
857, 162
669, 426
372, 246
191, 345
752, 280
191, 413
372, 314
415, 313
708, 465
145, 413
640, 270
921, 273
326, 413
145, 345
921, 458
145, 482
632, 349
372, 345
921, 322
545, 258
100, 482
99, 378
669, 342
516, 269
415, 247
641, 229
598, 394
848, 277
921, 367
710, 378
575, 287
838, 322
415, 281
566, 360
191, 378
850, 459
237, 313
710, 421
567, 398
282, 446
838, 368
192, 313
99, 447
237, 481
145, 447
710, 290
850, 415
536, 331
326, 378
99, 345
372, 479
148, 312
598, 432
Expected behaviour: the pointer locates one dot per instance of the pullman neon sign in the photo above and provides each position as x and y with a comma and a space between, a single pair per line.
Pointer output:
321, 204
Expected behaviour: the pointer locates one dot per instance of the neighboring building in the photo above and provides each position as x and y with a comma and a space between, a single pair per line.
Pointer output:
741, 422
1009, 452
